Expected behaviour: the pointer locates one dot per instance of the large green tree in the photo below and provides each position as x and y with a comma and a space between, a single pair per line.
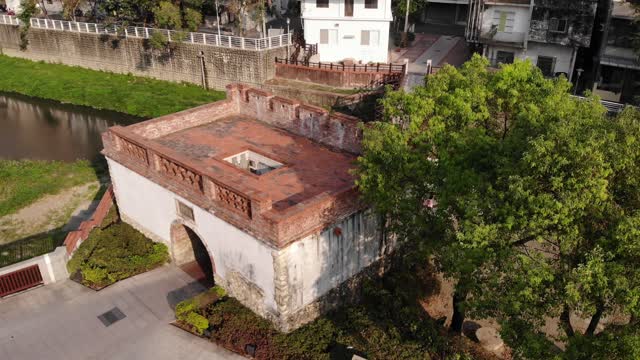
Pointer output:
538, 199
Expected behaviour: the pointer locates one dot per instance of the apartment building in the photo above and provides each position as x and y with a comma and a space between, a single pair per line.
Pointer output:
548, 32
617, 69
348, 29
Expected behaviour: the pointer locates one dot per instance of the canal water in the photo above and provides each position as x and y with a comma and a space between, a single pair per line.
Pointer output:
33, 128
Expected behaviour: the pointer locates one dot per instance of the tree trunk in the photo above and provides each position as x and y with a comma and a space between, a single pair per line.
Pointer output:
565, 320
458, 313
593, 324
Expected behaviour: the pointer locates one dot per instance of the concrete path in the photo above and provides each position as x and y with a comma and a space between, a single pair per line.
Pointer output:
60, 321
436, 52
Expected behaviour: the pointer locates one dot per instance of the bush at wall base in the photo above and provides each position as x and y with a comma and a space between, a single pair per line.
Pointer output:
115, 253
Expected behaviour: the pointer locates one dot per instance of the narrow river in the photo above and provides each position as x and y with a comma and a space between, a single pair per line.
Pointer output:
32, 128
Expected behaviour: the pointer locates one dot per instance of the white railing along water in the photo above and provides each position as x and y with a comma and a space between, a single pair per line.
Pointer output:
145, 33
9, 20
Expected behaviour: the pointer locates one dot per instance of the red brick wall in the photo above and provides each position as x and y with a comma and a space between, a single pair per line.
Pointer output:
134, 147
334, 130
76, 237
333, 78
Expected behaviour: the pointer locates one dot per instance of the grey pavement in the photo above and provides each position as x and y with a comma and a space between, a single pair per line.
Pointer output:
59, 321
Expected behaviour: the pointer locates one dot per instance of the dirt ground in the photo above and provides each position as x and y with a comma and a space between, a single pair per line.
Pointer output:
439, 305
50, 213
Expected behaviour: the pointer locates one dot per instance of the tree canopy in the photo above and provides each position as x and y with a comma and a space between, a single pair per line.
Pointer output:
538, 201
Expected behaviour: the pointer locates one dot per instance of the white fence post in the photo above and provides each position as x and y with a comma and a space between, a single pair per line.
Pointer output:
136, 31
146, 32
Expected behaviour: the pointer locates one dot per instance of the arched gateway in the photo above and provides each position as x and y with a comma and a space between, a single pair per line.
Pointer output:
191, 254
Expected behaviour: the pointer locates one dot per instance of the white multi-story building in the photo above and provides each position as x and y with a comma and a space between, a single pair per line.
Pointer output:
548, 33
348, 29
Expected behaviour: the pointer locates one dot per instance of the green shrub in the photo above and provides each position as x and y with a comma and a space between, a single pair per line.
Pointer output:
115, 253
197, 321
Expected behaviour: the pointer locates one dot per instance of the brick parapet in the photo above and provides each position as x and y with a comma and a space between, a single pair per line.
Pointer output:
335, 130
220, 188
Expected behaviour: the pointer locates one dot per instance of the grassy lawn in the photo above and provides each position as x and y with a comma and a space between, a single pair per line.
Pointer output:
129, 94
24, 182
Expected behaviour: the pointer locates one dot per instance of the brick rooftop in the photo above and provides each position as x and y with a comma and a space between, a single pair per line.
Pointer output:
184, 152
310, 169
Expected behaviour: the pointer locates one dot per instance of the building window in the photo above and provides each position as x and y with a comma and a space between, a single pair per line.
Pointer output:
348, 7
547, 65
370, 4
558, 25
185, 211
504, 57
504, 20
369, 37
328, 37
322, 3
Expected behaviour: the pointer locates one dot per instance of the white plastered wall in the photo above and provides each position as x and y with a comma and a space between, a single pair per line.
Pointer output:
153, 208
348, 43
323, 261
563, 55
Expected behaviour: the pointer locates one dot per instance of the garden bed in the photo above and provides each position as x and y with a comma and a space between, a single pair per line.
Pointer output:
113, 252
388, 324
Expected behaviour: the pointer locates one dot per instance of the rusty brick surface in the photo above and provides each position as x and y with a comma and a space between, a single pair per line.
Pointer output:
184, 152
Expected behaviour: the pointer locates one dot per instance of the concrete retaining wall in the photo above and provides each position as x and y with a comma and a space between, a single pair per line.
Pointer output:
334, 78
53, 266
135, 56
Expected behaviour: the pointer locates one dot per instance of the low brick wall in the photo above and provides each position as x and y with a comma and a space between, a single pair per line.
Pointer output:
76, 237
334, 78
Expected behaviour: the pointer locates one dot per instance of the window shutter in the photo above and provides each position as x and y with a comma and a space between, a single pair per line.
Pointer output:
364, 37
503, 21
324, 36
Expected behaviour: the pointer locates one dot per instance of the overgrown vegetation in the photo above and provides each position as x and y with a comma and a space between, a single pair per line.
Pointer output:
24, 182
538, 202
129, 94
389, 323
113, 252
29, 8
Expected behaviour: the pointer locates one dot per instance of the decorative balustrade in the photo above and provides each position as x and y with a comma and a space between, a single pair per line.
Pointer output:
182, 174
135, 151
145, 33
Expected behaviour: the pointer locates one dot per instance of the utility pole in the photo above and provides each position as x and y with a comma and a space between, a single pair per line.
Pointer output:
405, 35
218, 18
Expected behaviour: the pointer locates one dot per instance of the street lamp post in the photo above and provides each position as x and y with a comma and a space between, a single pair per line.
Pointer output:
288, 37
575, 87
218, 18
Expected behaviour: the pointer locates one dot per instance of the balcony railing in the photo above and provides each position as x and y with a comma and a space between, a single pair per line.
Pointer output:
492, 36
145, 33
508, 2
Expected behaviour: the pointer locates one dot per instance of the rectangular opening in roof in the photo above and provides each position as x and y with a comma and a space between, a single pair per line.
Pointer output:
253, 162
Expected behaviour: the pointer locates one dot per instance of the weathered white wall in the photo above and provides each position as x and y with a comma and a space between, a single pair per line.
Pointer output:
521, 23
153, 208
563, 55
323, 261
349, 36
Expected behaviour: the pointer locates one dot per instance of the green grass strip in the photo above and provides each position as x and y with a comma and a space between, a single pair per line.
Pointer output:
129, 94
24, 182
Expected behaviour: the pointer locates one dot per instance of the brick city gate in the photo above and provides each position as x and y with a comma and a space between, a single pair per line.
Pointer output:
20, 280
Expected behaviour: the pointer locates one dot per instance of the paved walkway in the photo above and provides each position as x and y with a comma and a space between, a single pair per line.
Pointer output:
60, 321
